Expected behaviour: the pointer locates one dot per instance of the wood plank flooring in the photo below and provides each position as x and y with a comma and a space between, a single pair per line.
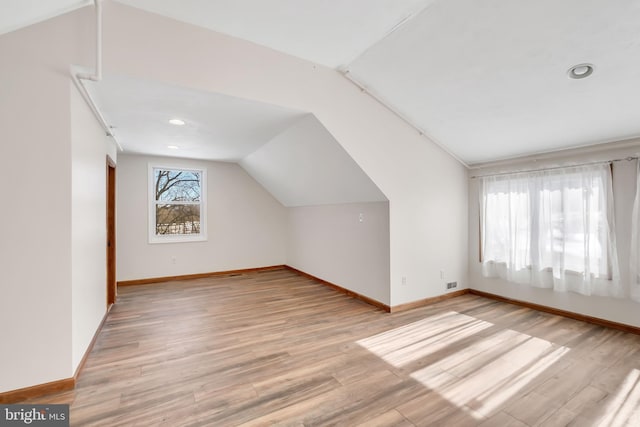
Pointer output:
276, 348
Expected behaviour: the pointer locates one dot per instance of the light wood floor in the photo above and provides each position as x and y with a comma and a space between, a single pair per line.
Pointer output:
275, 348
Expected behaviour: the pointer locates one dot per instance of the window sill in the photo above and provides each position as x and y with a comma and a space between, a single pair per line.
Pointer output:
177, 239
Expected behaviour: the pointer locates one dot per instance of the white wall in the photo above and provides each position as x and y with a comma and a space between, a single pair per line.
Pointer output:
246, 225
305, 166
36, 245
89, 149
617, 310
330, 242
427, 188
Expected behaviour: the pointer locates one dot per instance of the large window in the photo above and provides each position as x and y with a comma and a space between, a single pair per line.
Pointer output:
551, 229
177, 204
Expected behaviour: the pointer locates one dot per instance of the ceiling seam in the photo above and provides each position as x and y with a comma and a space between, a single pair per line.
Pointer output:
346, 74
403, 22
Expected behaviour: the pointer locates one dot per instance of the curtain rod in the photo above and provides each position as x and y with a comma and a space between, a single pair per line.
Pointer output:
557, 167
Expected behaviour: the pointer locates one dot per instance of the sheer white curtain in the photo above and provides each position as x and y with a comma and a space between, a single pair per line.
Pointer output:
551, 229
635, 242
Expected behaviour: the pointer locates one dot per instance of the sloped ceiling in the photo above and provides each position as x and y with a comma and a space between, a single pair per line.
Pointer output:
327, 32
489, 79
486, 80
305, 165
288, 151
217, 127
15, 14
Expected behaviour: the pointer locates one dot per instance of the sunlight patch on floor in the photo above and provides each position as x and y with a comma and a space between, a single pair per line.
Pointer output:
493, 370
416, 340
624, 407
478, 376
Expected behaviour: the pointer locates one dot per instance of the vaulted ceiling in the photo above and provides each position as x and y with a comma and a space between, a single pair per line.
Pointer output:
486, 80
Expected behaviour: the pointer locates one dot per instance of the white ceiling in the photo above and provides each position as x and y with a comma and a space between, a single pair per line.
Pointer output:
305, 166
286, 150
327, 32
15, 14
487, 80
218, 127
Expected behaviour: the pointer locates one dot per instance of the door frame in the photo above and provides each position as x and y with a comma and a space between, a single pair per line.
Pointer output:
111, 232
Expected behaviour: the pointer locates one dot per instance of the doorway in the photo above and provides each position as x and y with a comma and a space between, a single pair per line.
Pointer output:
111, 232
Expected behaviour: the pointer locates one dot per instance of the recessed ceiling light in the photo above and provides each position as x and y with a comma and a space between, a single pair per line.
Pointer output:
580, 71
172, 147
177, 122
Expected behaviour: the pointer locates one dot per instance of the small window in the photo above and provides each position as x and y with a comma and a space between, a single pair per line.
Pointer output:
177, 210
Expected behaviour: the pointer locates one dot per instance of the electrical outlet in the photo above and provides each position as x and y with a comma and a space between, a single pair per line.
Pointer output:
361, 217
452, 285
173, 260
404, 280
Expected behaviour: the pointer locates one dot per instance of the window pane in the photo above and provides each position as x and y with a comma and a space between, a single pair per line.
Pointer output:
507, 224
573, 219
177, 185
177, 219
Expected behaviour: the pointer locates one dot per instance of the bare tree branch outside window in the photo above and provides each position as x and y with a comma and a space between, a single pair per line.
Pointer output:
177, 201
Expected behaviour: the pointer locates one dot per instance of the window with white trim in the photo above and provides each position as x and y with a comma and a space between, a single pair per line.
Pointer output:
177, 204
